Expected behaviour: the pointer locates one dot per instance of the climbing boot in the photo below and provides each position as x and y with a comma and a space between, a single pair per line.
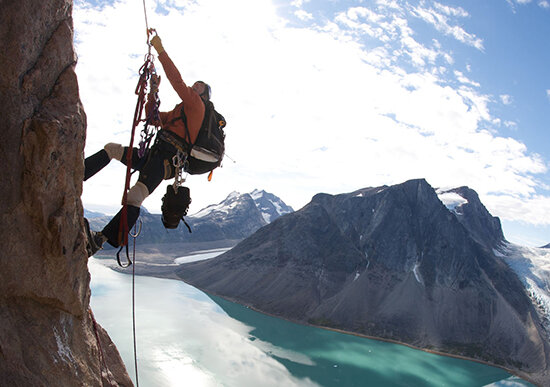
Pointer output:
94, 241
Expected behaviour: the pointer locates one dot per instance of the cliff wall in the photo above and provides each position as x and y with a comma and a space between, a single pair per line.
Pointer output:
47, 333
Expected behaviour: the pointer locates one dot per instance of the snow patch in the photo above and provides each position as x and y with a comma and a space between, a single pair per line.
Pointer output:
233, 195
208, 210
256, 194
451, 200
278, 208
266, 217
201, 255
417, 274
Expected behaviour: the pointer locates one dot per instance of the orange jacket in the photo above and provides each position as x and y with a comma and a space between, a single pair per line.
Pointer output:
191, 102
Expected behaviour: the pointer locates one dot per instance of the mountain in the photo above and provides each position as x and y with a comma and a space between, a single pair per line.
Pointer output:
234, 218
93, 214
389, 262
270, 206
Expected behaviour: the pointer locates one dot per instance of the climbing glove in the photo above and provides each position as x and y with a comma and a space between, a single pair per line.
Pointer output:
157, 44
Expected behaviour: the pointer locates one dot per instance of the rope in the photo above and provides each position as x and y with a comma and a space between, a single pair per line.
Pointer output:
134, 311
145, 73
146, 24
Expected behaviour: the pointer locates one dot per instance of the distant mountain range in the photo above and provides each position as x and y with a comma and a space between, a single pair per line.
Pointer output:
235, 218
405, 263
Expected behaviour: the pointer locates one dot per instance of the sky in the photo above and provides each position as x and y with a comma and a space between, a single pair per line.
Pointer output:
333, 96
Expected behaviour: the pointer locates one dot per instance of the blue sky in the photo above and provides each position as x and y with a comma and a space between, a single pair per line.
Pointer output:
332, 96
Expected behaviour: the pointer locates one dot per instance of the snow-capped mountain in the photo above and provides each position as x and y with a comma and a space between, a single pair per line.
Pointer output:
269, 205
234, 218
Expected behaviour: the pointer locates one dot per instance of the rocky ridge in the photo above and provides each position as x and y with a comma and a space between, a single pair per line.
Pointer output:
47, 332
394, 263
233, 219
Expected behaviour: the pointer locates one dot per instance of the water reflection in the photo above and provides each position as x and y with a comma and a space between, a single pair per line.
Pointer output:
183, 337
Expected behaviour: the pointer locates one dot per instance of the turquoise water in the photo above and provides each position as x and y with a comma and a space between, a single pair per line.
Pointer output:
186, 338
347, 360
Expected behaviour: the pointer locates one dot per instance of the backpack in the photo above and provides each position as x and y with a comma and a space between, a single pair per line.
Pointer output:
207, 152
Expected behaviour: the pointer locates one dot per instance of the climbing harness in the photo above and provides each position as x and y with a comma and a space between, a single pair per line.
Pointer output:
180, 162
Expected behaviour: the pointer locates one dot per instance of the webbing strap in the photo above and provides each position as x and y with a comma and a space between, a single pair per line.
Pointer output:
145, 73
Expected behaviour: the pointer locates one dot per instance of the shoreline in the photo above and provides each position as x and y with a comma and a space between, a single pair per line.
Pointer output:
303, 323
169, 274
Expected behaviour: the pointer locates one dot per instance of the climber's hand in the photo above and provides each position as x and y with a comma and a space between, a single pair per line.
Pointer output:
157, 44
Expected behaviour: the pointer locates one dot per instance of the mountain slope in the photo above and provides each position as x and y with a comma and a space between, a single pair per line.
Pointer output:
390, 262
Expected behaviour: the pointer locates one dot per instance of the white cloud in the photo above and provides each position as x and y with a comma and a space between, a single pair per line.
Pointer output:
541, 3
450, 11
442, 23
465, 80
506, 99
511, 125
309, 109
298, 3
548, 93
303, 15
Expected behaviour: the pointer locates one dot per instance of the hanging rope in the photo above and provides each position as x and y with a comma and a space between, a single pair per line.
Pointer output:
146, 24
147, 74
134, 310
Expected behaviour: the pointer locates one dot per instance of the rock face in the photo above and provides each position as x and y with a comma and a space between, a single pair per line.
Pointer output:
389, 262
484, 228
47, 333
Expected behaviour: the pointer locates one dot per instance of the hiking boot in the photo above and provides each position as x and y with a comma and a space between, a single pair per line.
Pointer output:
95, 239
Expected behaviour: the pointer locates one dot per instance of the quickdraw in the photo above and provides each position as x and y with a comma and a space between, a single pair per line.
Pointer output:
147, 74
180, 163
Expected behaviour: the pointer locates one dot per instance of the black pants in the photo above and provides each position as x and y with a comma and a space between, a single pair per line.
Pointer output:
154, 167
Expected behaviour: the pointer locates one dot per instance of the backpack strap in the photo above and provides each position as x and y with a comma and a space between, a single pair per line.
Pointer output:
187, 134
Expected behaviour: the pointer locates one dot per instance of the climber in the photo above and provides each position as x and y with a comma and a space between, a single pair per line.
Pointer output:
158, 164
